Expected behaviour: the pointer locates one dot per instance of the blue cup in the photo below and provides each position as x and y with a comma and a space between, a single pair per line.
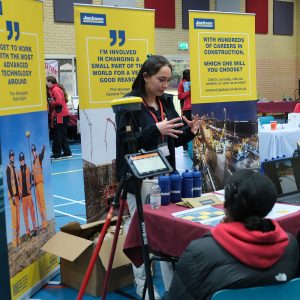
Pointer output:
187, 184
176, 182
165, 186
197, 183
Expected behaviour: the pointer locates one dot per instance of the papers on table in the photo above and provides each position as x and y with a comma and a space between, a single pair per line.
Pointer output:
280, 210
211, 199
207, 215
212, 216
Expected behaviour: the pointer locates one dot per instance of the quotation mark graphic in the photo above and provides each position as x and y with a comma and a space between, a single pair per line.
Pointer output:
113, 36
11, 29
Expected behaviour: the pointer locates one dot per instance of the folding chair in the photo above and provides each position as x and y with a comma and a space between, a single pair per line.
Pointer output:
283, 291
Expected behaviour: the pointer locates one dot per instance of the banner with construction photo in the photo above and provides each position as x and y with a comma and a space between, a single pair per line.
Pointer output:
110, 49
223, 89
26, 206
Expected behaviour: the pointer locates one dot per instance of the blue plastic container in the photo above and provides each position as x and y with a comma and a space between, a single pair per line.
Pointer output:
176, 182
187, 184
165, 185
197, 183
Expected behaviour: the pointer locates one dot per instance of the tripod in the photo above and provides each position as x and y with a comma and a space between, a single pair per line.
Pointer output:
119, 201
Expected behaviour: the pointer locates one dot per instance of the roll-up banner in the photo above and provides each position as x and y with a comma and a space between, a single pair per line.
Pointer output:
111, 45
223, 56
223, 88
26, 208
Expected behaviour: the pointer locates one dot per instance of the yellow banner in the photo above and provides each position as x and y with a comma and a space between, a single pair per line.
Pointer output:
223, 65
22, 71
31, 275
111, 45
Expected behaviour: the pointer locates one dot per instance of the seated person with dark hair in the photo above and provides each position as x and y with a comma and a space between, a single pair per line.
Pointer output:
245, 250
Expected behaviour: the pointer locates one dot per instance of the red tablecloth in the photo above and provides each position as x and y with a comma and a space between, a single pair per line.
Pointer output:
170, 236
276, 107
72, 120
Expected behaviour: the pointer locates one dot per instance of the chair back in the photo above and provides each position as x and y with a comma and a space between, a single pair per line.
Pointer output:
284, 291
266, 119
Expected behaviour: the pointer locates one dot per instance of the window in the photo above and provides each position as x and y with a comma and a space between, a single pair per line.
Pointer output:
64, 69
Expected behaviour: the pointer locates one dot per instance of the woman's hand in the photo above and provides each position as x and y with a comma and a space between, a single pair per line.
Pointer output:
194, 124
169, 127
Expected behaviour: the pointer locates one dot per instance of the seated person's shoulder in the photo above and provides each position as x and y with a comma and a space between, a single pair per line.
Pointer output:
202, 245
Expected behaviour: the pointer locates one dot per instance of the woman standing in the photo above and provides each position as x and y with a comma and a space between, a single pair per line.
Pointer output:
184, 95
58, 103
156, 126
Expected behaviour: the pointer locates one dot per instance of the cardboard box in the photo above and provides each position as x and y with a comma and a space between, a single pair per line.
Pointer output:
73, 246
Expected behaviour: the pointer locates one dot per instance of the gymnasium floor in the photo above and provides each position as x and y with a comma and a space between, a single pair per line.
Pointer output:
69, 205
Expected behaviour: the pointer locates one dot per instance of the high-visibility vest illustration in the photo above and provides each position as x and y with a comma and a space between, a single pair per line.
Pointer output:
25, 194
14, 199
38, 178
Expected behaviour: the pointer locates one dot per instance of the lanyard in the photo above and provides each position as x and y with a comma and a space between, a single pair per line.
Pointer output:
154, 116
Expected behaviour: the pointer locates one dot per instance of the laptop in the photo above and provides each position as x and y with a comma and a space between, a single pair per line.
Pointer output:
285, 174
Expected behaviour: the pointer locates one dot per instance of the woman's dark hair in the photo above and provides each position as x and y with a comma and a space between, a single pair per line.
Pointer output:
186, 75
151, 66
53, 80
48, 93
249, 197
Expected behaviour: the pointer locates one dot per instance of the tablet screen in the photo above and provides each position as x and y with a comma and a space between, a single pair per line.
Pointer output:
148, 164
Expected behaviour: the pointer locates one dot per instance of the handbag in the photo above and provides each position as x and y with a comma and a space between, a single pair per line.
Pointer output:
58, 109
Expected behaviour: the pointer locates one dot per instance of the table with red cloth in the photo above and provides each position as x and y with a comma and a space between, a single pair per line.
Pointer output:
72, 120
276, 107
170, 236
72, 132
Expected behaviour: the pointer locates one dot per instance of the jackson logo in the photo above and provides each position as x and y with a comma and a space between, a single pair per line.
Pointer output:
204, 23
92, 19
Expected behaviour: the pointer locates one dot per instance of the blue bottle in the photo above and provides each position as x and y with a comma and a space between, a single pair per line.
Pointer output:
187, 184
165, 186
176, 182
197, 183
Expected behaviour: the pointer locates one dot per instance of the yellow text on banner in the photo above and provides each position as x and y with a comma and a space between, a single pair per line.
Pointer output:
111, 45
223, 66
31, 275
22, 74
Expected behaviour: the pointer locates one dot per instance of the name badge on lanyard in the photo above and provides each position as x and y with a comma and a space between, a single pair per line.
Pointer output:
164, 149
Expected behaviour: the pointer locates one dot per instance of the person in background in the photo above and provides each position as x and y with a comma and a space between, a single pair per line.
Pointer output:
50, 114
14, 198
156, 126
184, 95
297, 108
25, 182
245, 250
58, 102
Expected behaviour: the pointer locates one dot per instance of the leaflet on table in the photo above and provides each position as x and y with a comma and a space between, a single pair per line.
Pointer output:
220, 194
207, 215
280, 210
205, 199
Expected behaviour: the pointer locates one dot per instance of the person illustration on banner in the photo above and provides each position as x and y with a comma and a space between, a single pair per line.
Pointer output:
14, 198
38, 179
156, 126
60, 117
25, 184
184, 95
